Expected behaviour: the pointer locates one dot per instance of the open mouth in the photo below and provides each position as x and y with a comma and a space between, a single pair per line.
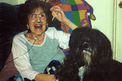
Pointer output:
38, 26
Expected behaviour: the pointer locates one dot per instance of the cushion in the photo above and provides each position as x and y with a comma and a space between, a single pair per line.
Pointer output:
8, 22
9, 69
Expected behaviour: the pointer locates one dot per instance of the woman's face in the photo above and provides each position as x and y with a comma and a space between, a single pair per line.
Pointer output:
37, 21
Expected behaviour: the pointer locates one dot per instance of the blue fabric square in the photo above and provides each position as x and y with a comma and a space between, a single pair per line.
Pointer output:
74, 7
70, 30
69, 15
65, 2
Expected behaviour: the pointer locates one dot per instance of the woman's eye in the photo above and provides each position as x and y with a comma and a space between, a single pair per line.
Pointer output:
41, 15
33, 15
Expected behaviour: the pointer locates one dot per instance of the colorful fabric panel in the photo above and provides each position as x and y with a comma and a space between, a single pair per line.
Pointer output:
76, 11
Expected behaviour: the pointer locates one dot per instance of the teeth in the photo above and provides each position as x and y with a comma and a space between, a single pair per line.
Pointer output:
38, 25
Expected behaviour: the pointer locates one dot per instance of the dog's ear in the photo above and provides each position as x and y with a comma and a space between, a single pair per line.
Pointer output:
102, 44
105, 51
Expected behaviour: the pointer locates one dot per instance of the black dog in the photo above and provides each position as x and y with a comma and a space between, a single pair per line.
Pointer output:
90, 58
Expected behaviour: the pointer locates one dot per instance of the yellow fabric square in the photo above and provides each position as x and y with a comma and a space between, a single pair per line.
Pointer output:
83, 15
79, 2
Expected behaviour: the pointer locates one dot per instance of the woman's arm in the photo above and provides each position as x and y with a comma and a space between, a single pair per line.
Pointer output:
59, 14
21, 58
44, 77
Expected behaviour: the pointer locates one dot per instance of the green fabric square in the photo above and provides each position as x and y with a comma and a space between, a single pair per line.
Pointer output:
72, 2
76, 18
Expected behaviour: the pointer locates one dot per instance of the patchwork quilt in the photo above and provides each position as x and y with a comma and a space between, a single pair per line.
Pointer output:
75, 10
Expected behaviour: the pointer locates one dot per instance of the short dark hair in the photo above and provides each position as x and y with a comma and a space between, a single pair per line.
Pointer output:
29, 6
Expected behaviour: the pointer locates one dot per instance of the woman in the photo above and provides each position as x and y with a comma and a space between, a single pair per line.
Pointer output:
34, 49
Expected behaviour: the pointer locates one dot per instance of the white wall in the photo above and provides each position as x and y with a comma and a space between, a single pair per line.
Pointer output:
21, 1
103, 10
13, 2
9, 1
118, 38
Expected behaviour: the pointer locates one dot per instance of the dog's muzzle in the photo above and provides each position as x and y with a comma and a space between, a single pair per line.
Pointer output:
86, 53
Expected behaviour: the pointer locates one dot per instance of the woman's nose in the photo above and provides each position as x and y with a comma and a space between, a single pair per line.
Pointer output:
38, 19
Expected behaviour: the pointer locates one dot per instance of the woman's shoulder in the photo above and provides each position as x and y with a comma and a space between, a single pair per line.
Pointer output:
20, 36
52, 32
51, 29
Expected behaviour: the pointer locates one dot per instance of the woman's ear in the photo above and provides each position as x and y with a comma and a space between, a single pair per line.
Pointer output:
27, 26
47, 24
46, 0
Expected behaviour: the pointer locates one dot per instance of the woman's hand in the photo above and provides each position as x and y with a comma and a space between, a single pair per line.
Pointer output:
59, 14
45, 77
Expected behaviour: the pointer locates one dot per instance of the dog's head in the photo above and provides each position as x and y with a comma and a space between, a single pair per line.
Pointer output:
91, 44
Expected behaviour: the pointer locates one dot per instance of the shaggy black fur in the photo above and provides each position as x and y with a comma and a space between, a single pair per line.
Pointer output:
90, 49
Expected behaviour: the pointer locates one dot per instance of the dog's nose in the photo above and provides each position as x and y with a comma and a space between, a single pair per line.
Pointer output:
85, 45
